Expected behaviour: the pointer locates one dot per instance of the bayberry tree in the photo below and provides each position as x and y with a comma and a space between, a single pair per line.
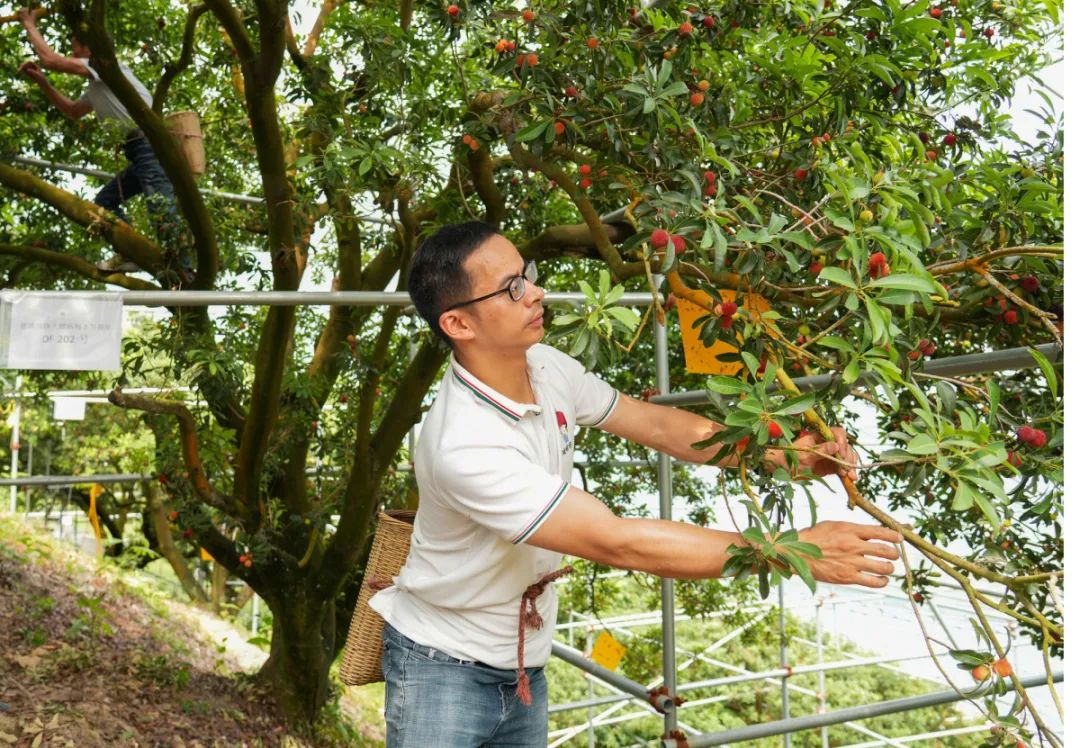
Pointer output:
852, 164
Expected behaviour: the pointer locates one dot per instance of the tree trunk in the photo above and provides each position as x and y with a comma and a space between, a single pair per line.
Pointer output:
301, 651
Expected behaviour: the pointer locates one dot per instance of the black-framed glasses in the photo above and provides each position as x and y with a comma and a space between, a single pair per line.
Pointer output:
515, 288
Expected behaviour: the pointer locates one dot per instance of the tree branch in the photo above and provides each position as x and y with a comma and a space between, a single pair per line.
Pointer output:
102, 223
189, 445
361, 494
312, 41
75, 264
482, 169
173, 69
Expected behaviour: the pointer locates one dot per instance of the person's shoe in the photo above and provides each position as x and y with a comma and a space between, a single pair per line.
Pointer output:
117, 264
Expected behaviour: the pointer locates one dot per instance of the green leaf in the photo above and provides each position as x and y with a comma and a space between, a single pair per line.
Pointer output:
831, 341
726, 385
963, 498
837, 275
532, 132
797, 405
1047, 369
903, 281
922, 444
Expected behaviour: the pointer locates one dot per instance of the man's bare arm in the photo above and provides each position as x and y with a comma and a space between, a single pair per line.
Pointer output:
50, 58
583, 526
73, 109
674, 431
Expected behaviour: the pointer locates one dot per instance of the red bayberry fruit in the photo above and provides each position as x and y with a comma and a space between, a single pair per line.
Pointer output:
1002, 668
697, 98
685, 29
1029, 283
816, 267
528, 16
532, 59
585, 169
710, 190
742, 443
560, 128
1025, 434
1038, 439
935, 12
453, 11
679, 243
931, 155
173, 515
924, 137
586, 183
1010, 317
871, 36
726, 322
949, 139
592, 43
800, 174
1014, 459
917, 597
708, 22
710, 176
914, 355
980, 672
659, 238
988, 33
775, 432
729, 308
878, 259
571, 92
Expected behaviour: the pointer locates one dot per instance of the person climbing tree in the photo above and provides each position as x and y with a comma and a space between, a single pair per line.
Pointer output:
143, 175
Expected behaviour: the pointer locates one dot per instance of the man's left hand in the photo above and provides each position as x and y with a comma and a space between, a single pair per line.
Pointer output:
826, 458
27, 17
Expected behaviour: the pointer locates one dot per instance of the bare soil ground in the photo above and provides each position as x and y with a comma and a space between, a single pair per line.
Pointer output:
86, 662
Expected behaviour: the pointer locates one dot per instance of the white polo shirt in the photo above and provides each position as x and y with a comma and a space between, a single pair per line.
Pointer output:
490, 471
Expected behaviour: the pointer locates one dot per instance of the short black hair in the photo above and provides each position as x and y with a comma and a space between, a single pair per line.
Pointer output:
437, 276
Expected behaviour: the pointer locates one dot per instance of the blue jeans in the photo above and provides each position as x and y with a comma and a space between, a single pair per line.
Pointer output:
143, 176
434, 700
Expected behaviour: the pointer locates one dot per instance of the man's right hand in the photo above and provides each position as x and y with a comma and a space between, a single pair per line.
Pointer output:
32, 71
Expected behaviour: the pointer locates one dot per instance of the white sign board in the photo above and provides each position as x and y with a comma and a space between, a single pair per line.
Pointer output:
67, 330
69, 409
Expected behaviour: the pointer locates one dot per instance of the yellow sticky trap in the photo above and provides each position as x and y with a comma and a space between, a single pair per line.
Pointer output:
606, 651
205, 555
701, 359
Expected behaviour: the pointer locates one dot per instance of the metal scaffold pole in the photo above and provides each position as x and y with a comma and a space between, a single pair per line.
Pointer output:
785, 702
667, 586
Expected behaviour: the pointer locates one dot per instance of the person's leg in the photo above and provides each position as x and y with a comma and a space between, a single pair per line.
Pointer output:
434, 700
119, 190
523, 726
161, 203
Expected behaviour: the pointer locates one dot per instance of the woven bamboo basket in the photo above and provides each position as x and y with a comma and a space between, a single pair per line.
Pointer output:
361, 662
185, 127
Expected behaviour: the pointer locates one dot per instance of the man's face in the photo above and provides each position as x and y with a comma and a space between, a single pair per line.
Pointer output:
499, 322
78, 49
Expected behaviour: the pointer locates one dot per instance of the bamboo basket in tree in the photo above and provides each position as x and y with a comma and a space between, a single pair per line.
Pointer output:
185, 127
361, 662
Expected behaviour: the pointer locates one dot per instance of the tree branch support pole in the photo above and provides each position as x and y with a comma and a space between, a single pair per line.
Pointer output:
667, 586
15, 423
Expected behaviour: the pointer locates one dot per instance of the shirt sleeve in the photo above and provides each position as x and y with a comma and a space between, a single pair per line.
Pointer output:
594, 399
499, 489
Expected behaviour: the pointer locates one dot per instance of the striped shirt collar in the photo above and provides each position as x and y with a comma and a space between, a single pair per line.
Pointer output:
513, 410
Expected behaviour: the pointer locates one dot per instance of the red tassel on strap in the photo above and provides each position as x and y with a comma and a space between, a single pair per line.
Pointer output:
529, 615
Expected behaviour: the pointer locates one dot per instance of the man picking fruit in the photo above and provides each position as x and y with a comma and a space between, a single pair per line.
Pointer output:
470, 618
143, 175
